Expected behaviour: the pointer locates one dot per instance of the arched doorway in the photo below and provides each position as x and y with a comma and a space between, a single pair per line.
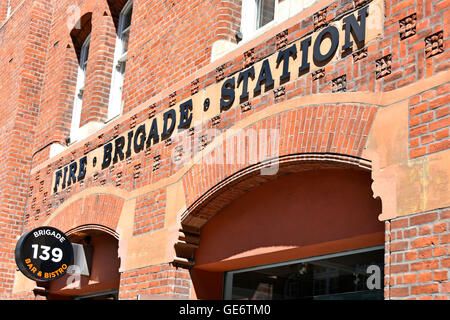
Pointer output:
96, 275
311, 232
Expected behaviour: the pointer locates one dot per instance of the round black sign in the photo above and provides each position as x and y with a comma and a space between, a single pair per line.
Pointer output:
44, 254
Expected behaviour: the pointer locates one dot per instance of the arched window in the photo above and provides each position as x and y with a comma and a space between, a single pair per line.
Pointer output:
120, 59
79, 89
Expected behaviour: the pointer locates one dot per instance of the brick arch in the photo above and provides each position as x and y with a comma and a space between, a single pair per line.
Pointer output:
243, 181
319, 136
239, 183
102, 210
335, 129
92, 227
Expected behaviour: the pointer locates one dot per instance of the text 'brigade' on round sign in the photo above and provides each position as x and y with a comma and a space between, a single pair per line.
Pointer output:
44, 254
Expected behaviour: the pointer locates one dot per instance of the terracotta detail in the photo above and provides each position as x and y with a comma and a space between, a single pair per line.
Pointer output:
320, 19
316, 75
157, 162
339, 84
116, 131
137, 170
279, 93
246, 106
185, 248
195, 86
133, 121
220, 73
359, 55
172, 99
383, 66
151, 110
168, 142
434, 44
216, 120
249, 58
118, 179
178, 153
408, 26
282, 39
203, 141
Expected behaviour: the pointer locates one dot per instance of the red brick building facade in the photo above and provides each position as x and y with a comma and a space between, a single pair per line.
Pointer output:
185, 141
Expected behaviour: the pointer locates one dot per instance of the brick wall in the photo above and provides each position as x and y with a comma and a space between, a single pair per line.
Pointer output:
417, 259
160, 280
429, 121
150, 212
24, 48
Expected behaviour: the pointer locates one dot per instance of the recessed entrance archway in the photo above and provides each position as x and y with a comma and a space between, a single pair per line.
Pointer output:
316, 205
99, 277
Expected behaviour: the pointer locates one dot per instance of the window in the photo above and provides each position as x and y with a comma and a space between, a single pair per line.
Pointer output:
79, 89
352, 275
120, 59
265, 12
255, 15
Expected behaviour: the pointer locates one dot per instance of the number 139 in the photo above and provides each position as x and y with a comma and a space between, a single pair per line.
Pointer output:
56, 253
